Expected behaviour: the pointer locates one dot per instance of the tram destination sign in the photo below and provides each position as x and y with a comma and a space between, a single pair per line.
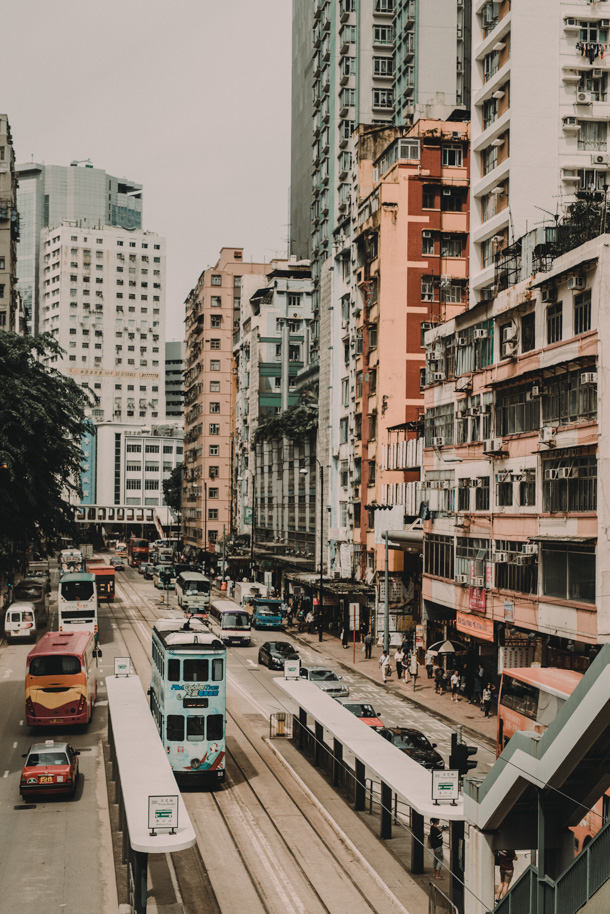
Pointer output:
446, 785
163, 813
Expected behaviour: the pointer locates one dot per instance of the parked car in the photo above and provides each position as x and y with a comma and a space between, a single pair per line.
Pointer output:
273, 654
117, 563
415, 745
364, 711
325, 679
50, 768
148, 569
266, 617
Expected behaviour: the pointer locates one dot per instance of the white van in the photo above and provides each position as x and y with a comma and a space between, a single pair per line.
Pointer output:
20, 622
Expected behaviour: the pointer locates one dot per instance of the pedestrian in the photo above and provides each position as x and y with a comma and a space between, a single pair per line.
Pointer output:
438, 680
506, 861
435, 841
309, 620
487, 698
368, 646
455, 686
344, 636
384, 663
414, 669
398, 660
477, 688
429, 664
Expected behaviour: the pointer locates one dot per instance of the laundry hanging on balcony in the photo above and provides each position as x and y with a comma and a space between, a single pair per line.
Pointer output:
591, 50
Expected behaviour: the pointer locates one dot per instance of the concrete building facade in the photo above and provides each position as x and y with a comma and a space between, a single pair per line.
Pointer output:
48, 195
103, 298
213, 308
10, 301
174, 380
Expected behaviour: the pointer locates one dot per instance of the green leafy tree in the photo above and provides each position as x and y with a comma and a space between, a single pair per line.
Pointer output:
172, 489
42, 422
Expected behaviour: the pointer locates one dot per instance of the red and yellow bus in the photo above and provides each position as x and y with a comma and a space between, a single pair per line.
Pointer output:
530, 698
137, 551
105, 577
61, 679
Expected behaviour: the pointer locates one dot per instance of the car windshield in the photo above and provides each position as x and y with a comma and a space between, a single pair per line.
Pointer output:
282, 647
50, 757
411, 741
323, 676
362, 710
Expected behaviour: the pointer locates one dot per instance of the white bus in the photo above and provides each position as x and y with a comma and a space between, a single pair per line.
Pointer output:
229, 622
77, 603
192, 590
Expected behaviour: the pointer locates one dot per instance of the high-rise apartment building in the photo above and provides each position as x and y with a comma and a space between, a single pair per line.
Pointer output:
212, 316
300, 131
48, 195
10, 302
174, 379
103, 298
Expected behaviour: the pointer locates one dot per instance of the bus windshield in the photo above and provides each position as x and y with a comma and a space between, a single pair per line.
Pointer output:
236, 620
55, 665
77, 590
196, 587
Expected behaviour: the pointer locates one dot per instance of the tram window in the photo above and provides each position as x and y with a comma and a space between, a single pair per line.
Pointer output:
195, 729
173, 671
175, 727
215, 729
195, 670
217, 670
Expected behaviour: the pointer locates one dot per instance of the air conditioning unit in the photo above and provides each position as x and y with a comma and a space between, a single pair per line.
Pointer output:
550, 474
426, 234
596, 74
535, 391
530, 548
438, 442
567, 472
501, 557
461, 579
478, 582
547, 434
446, 191
588, 377
476, 483
509, 350
492, 445
576, 282
438, 375
570, 123
584, 98
570, 23
523, 559
427, 325
462, 340
455, 134
486, 295
461, 520
436, 353
462, 411
604, 24
480, 334
600, 158
474, 411
510, 332
549, 295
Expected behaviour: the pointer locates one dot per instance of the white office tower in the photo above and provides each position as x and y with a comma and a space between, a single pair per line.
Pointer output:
102, 294
540, 116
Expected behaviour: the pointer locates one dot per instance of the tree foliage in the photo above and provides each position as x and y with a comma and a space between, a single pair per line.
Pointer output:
295, 422
42, 421
172, 489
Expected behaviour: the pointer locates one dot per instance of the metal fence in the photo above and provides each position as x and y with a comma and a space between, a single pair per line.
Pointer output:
438, 903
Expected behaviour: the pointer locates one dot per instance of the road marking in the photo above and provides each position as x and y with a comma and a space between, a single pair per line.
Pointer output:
14, 745
261, 710
7, 674
251, 662
5, 775
21, 723
101, 704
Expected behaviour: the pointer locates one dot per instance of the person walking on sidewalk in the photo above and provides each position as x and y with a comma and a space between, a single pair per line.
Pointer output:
414, 669
384, 663
455, 686
435, 841
344, 636
309, 619
487, 698
398, 660
438, 680
429, 663
368, 646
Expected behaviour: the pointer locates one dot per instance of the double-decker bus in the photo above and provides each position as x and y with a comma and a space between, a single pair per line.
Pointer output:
105, 578
530, 698
77, 603
61, 679
70, 560
188, 698
137, 551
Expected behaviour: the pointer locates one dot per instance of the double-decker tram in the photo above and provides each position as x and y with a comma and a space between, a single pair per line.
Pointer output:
77, 603
61, 679
188, 698
137, 551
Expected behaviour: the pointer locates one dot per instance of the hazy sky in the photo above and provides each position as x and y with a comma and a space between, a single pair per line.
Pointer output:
189, 97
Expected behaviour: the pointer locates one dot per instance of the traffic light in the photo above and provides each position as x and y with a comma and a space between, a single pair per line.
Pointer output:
460, 756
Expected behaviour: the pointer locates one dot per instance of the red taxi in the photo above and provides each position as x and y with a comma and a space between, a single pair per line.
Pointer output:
50, 768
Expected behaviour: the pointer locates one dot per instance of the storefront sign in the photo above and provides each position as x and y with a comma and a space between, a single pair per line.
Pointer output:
509, 611
475, 626
477, 597
419, 636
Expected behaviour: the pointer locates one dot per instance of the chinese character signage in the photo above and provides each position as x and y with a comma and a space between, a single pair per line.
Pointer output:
475, 625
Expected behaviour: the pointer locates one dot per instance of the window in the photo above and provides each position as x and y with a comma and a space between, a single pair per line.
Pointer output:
214, 428
373, 336
517, 411
489, 159
427, 242
343, 431
569, 484
382, 66
345, 392
133, 484
214, 450
429, 197
504, 490
590, 31
358, 384
509, 575
464, 495
212, 536
382, 34
214, 387
482, 494
592, 135
490, 112
568, 571
215, 407
471, 552
528, 332
491, 64
383, 98
212, 513
451, 200
554, 323
213, 472
215, 365
527, 489
215, 344
344, 473
452, 155
427, 288
582, 312
451, 246
216, 279
215, 301
213, 493
439, 422
438, 556
215, 320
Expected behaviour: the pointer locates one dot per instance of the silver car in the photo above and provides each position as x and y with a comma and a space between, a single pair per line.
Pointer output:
325, 679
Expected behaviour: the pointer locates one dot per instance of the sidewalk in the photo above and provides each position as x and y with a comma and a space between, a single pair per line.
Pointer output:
470, 717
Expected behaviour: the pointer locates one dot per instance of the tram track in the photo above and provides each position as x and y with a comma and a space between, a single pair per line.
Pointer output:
262, 840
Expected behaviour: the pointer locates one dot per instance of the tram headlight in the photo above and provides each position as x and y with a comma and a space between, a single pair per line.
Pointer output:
195, 763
